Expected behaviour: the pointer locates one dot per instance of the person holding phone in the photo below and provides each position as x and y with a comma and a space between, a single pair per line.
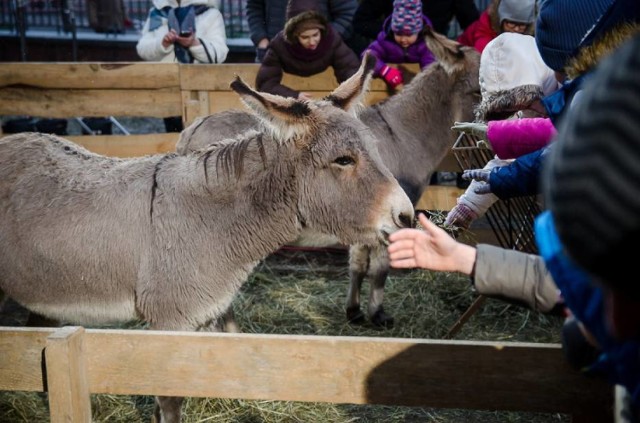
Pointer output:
184, 31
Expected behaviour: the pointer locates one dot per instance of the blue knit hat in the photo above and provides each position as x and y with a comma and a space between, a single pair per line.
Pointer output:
407, 17
563, 26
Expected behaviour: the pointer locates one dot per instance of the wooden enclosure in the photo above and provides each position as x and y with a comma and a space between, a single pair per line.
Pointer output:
71, 363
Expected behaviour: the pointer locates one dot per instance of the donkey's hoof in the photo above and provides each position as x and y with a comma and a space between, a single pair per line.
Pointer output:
355, 315
382, 320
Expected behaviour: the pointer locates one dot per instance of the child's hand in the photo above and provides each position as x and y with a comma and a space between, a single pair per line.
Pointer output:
392, 75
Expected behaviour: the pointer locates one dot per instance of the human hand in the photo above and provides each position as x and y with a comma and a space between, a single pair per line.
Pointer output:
169, 38
305, 96
473, 128
260, 53
187, 40
429, 248
480, 175
392, 75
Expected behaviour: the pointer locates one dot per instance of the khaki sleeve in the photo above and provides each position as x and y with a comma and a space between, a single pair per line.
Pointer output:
515, 275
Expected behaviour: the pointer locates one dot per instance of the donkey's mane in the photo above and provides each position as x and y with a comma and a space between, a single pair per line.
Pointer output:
230, 155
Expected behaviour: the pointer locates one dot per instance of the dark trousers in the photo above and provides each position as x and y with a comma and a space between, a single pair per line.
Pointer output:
173, 124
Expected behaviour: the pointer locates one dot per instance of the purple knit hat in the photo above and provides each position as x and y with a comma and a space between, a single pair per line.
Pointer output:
407, 17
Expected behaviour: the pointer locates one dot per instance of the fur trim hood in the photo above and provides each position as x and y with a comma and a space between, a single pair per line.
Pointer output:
588, 56
501, 104
512, 75
291, 26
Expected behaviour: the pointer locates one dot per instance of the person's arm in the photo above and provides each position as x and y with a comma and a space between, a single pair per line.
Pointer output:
495, 271
341, 16
511, 138
257, 21
150, 46
269, 77
211, 45
345, 62
515, 276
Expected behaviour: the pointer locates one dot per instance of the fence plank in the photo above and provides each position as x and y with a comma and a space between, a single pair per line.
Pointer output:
91, 75
59, 103
69, 399
357, 370
21, 358
128, 145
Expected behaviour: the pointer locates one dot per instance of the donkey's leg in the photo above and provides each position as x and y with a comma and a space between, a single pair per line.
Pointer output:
167, 410
225, 323
38, 320
358, 266
378, 272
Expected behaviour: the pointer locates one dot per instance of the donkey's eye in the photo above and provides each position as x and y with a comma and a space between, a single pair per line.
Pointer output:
344, 161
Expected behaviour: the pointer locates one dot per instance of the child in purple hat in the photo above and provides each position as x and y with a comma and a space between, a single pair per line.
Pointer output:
401, 40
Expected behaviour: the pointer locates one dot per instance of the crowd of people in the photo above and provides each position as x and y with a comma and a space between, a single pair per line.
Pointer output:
559, 107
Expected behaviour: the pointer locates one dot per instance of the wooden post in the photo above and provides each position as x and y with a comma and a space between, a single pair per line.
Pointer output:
69, 399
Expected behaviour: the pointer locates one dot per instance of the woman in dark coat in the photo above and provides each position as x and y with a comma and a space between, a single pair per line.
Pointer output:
306, 46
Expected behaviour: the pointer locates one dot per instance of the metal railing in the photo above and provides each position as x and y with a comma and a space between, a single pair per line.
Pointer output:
60, 15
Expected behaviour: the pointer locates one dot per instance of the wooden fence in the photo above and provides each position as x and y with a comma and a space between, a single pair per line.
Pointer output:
71, 363
142, 89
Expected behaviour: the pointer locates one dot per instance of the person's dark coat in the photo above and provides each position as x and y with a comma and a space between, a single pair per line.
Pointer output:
286, 55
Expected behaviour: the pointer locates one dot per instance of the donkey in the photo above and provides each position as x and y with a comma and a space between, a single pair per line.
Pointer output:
414, 135
170, 239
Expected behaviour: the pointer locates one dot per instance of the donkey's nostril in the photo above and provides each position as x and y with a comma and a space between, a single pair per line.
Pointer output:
406, 220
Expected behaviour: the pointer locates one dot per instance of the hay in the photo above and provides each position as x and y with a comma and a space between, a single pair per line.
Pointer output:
304, 292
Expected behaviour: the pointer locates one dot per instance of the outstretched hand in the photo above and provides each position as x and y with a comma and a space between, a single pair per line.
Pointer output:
430, 248
480, 175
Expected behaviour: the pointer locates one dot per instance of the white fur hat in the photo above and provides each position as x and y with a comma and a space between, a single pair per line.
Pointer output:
511, 62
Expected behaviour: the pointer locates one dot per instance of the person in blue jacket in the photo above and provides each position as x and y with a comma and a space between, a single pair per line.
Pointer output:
401, 40
592, 223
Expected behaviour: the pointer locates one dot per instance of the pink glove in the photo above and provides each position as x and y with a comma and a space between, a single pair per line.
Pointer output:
392, 75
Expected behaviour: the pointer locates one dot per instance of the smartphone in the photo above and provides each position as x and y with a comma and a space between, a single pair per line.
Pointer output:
185, 33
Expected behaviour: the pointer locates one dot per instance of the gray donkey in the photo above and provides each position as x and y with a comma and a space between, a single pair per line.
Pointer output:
413, 130
170, 239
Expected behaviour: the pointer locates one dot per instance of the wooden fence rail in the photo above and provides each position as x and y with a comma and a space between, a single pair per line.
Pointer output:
143, 89
71, 363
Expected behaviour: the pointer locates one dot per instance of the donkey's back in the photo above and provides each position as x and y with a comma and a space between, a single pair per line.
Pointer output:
57, 196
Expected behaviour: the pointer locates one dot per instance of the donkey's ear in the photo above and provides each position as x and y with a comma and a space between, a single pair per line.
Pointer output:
287, 117
350, 94
448, 52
